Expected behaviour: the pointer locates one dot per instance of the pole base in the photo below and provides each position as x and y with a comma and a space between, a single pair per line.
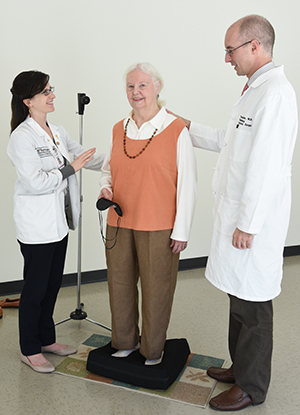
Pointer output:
78, 314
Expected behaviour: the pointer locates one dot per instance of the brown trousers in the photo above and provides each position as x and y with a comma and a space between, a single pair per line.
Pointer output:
146, 255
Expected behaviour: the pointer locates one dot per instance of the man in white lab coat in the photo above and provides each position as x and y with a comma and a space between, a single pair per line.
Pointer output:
252, 192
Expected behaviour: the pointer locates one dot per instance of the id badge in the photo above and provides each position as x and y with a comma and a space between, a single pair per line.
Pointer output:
59, 157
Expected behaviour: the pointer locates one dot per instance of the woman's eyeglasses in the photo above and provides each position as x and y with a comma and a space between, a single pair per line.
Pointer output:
48, 91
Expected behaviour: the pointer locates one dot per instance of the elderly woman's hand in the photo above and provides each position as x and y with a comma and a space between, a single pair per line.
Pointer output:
106, 194
178, 246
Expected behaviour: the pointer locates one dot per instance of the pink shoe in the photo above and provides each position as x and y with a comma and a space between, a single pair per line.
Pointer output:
46, 368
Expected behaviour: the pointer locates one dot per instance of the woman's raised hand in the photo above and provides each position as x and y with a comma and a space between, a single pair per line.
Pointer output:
84, 158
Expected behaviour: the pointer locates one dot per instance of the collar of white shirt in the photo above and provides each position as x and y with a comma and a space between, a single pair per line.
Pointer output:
161, 121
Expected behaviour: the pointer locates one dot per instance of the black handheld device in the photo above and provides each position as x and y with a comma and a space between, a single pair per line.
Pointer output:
103, 204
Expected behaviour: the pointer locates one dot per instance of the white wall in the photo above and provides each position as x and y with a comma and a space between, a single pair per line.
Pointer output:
86, 46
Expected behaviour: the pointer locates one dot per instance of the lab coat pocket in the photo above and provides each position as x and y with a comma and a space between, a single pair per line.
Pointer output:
35, 218
241, 144
226, 216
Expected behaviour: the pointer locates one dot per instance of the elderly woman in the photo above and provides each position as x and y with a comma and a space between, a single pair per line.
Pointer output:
46, 160
150, 171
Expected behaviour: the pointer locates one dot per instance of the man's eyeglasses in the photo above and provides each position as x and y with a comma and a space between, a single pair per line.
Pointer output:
230, 52
46, 92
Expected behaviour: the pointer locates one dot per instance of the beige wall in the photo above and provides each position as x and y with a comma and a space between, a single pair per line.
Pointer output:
86, 46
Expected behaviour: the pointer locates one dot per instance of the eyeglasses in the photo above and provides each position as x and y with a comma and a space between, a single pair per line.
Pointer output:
46, 92
230, 52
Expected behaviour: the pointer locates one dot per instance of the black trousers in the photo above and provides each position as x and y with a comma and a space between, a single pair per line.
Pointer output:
251, 345
43, 271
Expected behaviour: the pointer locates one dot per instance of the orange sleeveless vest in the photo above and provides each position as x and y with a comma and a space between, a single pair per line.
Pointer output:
145, 187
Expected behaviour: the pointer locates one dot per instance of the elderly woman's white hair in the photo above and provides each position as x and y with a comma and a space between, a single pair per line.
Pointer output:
150, 70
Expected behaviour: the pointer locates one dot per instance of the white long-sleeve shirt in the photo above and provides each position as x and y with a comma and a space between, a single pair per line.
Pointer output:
186, 167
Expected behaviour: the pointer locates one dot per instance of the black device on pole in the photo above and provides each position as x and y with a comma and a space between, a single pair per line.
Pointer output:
83, 100
78, 313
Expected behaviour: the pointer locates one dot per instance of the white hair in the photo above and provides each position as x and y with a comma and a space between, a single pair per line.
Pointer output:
150, 70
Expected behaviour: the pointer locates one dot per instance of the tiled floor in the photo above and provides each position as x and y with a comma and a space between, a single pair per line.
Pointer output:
200, 314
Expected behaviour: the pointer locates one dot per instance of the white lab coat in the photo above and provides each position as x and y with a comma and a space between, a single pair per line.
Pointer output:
39, 200
252, 187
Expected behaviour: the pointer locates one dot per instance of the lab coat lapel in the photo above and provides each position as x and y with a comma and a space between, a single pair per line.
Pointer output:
59, 142
38, 129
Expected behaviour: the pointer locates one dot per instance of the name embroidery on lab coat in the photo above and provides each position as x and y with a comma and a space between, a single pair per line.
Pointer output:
43, 152
244, 121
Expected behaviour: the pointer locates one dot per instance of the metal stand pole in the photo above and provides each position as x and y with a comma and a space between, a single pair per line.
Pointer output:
78, 313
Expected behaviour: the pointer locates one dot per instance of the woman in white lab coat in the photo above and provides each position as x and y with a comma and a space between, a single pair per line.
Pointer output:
46, 205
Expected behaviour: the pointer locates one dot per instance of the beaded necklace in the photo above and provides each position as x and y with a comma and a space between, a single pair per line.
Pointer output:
124, 142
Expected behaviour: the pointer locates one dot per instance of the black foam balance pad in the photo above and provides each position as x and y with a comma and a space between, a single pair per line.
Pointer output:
132, 369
